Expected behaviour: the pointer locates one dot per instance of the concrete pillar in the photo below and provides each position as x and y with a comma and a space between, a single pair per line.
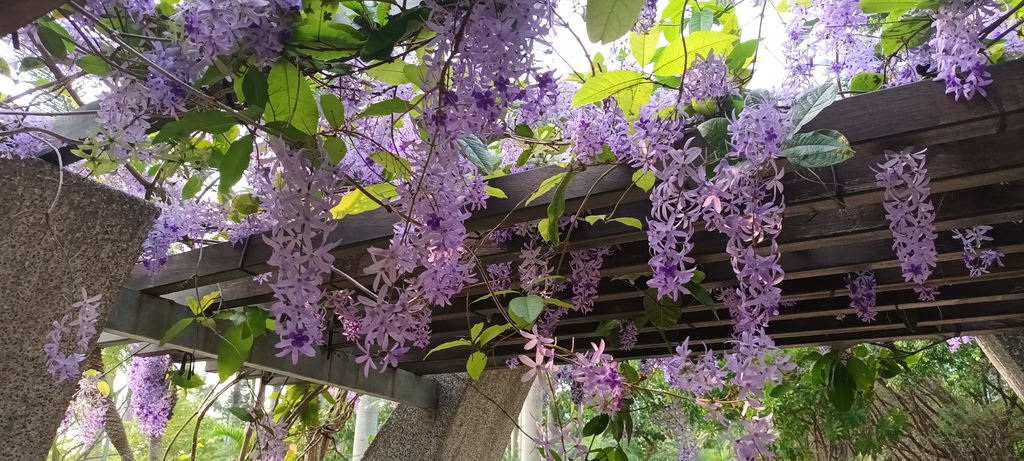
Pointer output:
1006, 352
531, 414
366, 425
91, 239
473, 421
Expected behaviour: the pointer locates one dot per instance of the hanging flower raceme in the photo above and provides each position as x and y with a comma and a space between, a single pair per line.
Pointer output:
670, 229
955, 343
217, 28
62, 361
89, 408
301, 244
151, 401
601, 384
862, 294
585, 266
911, 215
957, 50
627, 334
978, 261
270, 435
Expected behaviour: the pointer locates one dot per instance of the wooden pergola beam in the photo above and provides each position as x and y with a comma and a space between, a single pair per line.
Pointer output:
147, 318
18, 13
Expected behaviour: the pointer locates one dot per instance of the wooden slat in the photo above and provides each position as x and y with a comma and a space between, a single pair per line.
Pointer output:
18, 13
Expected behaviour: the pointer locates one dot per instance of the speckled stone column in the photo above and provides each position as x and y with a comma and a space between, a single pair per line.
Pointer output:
1006, 352
472, 422
91, 240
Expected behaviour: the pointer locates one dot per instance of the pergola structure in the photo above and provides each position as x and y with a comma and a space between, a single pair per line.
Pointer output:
834, 224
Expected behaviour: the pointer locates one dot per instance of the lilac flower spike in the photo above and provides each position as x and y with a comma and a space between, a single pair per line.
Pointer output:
62, 363
862, 294
978, 261
911, 215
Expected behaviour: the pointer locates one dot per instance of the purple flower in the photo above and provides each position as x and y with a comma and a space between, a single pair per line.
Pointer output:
862, 294
151, 396
586, 274
978, 261
627, 334
61, 362
911, 216
957, 52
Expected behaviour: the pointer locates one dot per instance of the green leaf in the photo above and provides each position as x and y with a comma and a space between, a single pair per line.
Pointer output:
607, 84
886, 6
475, 151
594, 218
840, 391
556, 208
491, 295
256, 319
235, 162
324, 41
596, 425
475, 365
255, 90
5, 69
449, 345
863, 376
356, 202
909, 32
392, 73
475, 331
631, 222
176, 329
495, 192
867, 81
558, 302
643, 46
492, 332
415, 74
291, 99
385, 107
681, 54
233, 351
781, 390
607, 20
336, 149
742, 54
191, 187
212, 121
702, 20
701, 295
52, 41
909, 318
644, 180
605, 327
30, 63
184, 381
334, 110
627, 371
663, 313
545, 186
816, 149
380, 42
812, 103
92, 64
716, 132
526, 308
242, 414
392, 163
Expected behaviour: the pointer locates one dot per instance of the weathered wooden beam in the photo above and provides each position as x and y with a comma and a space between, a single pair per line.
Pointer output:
147, 318
18, 13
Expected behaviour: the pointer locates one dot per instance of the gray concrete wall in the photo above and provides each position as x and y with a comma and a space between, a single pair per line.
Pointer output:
472, 422
1006, 352
92, 239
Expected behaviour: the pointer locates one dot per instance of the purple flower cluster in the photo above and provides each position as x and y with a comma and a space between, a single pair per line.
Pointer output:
25, 145
844, 35
670, 227
709, 78
592, 129
151, 396
862, 294
586, 274
215, 28
89, 408
955, 343
61, 363
601, 384
648, 16
978, 261
957, 52
179, 220
911, 216
301, 246
270, 435
500, 275
627, 334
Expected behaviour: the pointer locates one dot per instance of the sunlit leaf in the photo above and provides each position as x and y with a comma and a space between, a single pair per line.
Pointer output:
607, 20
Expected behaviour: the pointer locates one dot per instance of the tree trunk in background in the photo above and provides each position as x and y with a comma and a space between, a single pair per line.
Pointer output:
318, 439
113, 424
